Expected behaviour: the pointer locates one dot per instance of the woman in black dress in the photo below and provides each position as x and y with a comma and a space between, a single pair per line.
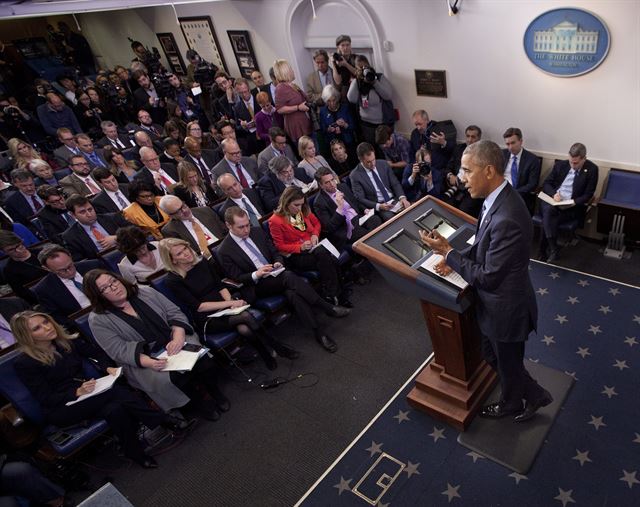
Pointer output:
195, 282
51, 368
191, 189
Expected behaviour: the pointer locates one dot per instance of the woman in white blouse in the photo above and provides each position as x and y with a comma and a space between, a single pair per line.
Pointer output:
310, 162
141, 256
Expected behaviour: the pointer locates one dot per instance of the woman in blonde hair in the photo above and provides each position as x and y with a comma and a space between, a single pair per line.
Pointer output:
51, 368
291, 102
195, 282
309, 161
191, 188
22, 153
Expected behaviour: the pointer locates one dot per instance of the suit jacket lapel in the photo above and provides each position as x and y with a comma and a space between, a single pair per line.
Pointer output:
487, 220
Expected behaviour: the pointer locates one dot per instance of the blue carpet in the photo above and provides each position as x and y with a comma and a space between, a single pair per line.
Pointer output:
590, 329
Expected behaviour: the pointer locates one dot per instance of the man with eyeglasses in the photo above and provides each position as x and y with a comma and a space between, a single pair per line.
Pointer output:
93, 156
158, 175
68, 149
91, 233
24, 203
278, 147
201, 227
60, 292
54, 217
203, 160
244, 169
80, 180
22, 267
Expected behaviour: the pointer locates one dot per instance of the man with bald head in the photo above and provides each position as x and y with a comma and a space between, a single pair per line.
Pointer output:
243, 168
54, 115
201, 227
247, 199
161, 176
203, 160
497, 267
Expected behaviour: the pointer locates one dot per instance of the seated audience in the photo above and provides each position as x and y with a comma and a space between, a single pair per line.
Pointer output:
203, 160
266, 118
141, 256
90, 233
247, 199
335, 119
342, 161
248, 256
80, 181
60, 292
173, 131
22, 267
427, 135
87, 114
522, 168
191, 188
133, 324
455, 192
112, 137
44, 173
243, 168
22, 153
417, 178
9, 306
296, 232
278, 147
114, 196
339, 211
309, 161
281, 175
575, 179
93, 156
143, 210
24, 203
374, 184
227, 98
367, 96
195, 282
172, 153
51, 368
396, 149
201, 227
53, 216
291, 102
54, 114
124, 170
161, 176
206, 140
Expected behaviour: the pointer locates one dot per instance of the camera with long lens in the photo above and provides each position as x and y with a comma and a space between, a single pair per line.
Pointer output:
161, 84
204, 74
369, 75
337, 57
425, 168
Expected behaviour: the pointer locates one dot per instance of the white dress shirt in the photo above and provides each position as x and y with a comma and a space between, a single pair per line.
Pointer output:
112, 196
507, 169
79, 296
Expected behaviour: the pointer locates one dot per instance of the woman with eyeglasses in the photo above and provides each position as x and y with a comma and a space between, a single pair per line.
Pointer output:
124, 170
144, 210
296, 232
133, 325
196, 282
195, 130
141, 256
191, 189
52, 369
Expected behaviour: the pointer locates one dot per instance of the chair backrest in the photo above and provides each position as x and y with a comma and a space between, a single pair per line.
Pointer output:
62, 173
12, 388
218, 209
159, 282
37, 223
111, 257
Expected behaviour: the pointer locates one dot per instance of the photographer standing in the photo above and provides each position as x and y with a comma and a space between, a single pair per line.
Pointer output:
189, 105
148, 98
343, 64
367, 92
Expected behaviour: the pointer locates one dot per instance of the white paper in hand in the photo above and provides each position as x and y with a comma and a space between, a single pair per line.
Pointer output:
275, 272
102, 384
196, 90
453, 277
329, 246
366, 217
230, 311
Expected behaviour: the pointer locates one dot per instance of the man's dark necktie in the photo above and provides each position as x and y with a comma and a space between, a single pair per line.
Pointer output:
253, 218
241, 178
381, 187
77, 284
36, 204
514, 171
120, 200
204, 172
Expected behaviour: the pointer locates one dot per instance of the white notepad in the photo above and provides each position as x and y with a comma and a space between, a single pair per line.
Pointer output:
229, 311
550, 200
102, 384
430, 263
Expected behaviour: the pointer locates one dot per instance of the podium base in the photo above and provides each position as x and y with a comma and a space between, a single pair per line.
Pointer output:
448, 398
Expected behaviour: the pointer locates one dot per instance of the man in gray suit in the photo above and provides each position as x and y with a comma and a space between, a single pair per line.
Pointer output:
497, 266
277, 147
319, 78
80, 180
374, 184
68, 149
201, 227
243, 168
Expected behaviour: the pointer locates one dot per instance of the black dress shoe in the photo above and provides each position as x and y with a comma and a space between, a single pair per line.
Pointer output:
339, 311
177, 424
146, 461
327, 343
497, 411
285, 351
270, 363
332, 300
208, 410
531, 408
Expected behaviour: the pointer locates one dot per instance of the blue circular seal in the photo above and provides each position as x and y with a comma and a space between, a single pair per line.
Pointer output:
567, 42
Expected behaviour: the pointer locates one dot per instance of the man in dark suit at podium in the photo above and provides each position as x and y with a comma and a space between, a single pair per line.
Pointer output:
497, 266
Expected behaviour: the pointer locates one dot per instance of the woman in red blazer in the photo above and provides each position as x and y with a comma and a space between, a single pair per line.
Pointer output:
295, 231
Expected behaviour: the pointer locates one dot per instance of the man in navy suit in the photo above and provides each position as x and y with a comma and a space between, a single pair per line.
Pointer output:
522, 168
374, 184
24, 203
575, 179
60, 292
244, 110
497, 267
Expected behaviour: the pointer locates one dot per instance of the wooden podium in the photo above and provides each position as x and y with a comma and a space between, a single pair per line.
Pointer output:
455, 383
